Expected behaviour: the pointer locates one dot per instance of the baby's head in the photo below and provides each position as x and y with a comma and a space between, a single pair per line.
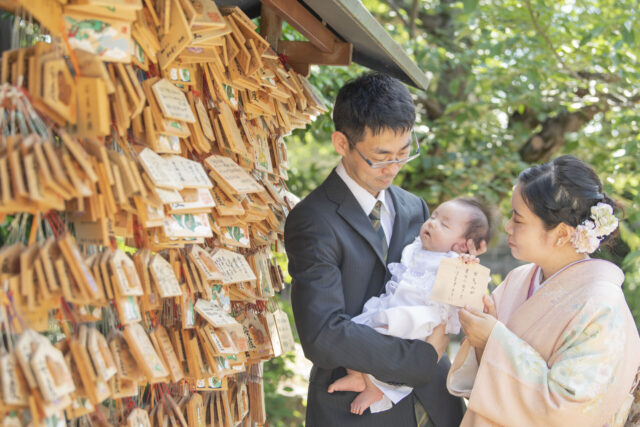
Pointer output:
454, 222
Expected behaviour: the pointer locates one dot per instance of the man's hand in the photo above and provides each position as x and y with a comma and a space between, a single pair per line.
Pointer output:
439, 340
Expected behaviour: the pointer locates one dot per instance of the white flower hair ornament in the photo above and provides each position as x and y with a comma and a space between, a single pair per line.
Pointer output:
587, 236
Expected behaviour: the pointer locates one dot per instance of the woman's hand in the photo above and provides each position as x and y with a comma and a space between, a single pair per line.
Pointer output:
469, 259
477, 325
471, 246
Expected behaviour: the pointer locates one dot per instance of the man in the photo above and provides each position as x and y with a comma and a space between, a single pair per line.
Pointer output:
339, 240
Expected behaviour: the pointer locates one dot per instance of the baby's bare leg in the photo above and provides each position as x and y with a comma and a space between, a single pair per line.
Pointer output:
353, 381
367, 397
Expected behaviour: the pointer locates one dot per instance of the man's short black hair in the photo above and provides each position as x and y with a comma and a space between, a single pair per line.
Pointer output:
375, 101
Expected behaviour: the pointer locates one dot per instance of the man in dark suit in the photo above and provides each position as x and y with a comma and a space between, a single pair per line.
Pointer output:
339, 240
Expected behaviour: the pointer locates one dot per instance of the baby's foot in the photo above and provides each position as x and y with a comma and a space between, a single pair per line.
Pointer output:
350, 382
365, 399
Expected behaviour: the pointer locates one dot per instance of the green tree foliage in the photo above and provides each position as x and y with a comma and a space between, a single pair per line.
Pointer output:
513, 83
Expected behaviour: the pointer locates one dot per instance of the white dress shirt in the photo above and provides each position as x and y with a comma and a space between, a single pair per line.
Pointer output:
367, 201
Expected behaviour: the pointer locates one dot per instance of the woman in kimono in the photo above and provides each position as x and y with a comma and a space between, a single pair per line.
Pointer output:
556, 344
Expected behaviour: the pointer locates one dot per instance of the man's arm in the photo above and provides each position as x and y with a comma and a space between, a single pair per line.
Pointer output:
328, 336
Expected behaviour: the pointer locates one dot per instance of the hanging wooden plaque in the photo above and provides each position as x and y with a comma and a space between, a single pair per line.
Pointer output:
187, 225
164, 277
101, 355
178, 35
190, 173
158, 171
196, 411
172, 101
202, 203
52, 373
233, 266
79, 270
109, 39
229, 173
138, 418
214, 314
124, 360
94, 116
204, 263
126, 278
284, 331
143, 351
128, 309
168, 353
14, 385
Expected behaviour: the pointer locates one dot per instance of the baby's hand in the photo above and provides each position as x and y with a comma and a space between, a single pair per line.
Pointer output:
469, 259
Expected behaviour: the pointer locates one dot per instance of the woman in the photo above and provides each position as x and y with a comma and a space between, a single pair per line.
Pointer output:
556, 345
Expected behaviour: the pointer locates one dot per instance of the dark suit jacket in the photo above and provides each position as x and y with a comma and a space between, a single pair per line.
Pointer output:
336, 262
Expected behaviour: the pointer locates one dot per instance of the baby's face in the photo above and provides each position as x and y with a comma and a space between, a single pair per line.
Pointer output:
445, 227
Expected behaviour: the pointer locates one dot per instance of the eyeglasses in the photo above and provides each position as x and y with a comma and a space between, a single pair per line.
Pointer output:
401, 162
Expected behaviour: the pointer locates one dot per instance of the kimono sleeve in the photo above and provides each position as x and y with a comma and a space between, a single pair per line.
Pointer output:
514, 384
464, 369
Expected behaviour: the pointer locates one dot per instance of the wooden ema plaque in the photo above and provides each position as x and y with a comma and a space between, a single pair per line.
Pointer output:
164, 277
460, 284
158, 171
28, 342
191, 174
254, 331
163, 341
124, 360
203, 202
52, 373
145, 354
214, 314
284, 331
15, 391
126, 277
227, 173
173, 102
233, 267
79, 270
196, 411
138, 418
272, 328
101, 355
204, 263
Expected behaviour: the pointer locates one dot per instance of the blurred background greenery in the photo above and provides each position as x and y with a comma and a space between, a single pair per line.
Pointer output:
513, 83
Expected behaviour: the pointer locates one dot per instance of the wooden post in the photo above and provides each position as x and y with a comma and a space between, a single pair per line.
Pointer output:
270, 26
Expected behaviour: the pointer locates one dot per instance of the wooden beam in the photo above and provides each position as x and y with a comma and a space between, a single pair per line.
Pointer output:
270, 26
301, 68
307, 53
303, 21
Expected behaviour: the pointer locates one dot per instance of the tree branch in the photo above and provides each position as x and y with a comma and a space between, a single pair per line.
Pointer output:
551, 138
392, 4
412, 19
548, 42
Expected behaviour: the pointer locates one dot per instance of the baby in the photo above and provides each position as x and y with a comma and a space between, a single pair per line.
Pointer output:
405, 310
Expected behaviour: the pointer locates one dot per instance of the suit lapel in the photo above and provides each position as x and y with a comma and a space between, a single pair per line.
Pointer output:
352, 213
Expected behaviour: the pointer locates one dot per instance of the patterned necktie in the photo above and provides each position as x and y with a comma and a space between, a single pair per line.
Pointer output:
374, 216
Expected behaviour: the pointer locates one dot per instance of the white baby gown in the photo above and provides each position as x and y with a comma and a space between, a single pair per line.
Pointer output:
405, 310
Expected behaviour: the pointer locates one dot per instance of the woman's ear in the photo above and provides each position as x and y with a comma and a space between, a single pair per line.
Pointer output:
340, 143
563, 233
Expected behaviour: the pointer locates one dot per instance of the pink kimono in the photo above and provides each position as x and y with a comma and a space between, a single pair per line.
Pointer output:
567, 356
